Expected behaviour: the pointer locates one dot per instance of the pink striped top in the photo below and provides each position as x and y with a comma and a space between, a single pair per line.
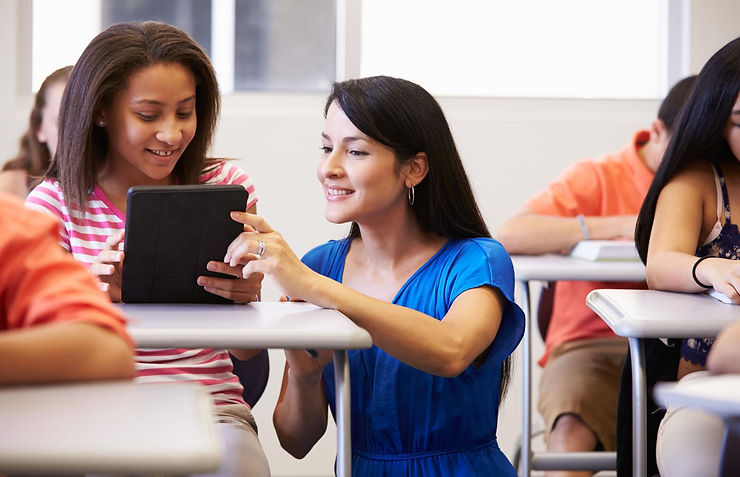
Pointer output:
84, 234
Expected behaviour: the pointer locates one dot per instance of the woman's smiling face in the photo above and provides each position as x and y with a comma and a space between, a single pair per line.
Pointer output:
361, 177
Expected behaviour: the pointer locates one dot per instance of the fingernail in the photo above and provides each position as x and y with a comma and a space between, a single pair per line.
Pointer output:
201, 281
211, 266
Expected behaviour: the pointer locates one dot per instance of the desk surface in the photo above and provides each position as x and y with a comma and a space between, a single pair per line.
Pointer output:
256, 325
718, 394
661, 314
107, 427
550, 267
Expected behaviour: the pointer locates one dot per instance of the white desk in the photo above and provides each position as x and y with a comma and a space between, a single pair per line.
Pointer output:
717, 394
107, 427
639, 314
258, 325
552, 267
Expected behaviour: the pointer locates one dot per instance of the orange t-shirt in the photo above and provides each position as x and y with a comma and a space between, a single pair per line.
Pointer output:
40, 282
614, 184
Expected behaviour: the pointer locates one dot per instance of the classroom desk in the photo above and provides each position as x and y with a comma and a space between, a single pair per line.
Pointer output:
107, 427
717, 394
551, 267
256, 326
641, 314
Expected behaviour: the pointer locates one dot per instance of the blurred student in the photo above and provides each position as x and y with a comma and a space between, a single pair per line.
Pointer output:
419, 271
724, 357
55, 325
140, 108
593, 199
689, 242
39, 143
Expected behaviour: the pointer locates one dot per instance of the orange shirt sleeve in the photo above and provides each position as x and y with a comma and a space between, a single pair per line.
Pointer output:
41, 283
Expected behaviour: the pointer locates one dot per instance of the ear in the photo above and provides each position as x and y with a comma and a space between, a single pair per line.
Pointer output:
658, 129
40, 135
100, 119
416, 169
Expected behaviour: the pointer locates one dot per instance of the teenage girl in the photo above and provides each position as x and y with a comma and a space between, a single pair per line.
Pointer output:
39, 143
140, 109
688, 237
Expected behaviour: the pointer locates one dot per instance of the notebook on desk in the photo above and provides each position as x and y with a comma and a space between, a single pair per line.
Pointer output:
605, 250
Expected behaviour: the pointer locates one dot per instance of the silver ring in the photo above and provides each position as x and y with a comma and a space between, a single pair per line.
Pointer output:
261, 248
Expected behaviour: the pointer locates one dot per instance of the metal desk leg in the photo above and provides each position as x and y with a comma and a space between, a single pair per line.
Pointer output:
639, 403
344, 430
526, 454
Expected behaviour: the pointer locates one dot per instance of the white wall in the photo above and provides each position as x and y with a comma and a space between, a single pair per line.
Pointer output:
511, 148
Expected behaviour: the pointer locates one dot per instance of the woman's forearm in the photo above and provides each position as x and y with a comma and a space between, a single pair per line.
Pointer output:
300, 416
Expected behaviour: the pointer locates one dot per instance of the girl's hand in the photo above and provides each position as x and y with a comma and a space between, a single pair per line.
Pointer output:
243, 289
262, 250
108, 266
723, 274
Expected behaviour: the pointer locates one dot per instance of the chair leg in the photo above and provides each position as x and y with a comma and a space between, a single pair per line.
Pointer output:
729, 465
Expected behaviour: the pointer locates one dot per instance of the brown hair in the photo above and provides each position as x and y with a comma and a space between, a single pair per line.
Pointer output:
33, 156
103, 70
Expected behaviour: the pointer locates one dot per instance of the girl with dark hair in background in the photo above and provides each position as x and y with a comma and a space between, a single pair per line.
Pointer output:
140, 108
418, 271
687, 238
39, 143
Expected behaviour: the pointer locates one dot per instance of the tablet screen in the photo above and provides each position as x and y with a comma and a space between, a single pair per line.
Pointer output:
172, 232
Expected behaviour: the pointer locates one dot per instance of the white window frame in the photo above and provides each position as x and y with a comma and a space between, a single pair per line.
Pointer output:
348, 23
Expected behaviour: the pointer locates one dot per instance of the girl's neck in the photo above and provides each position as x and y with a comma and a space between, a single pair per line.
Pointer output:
115, 182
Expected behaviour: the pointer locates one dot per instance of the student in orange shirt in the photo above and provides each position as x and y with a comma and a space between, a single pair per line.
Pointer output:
593, 199
55, 325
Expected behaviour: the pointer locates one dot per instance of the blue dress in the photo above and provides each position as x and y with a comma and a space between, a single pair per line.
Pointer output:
406, 422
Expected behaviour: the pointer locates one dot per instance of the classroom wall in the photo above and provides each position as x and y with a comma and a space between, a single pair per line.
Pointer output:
511, 148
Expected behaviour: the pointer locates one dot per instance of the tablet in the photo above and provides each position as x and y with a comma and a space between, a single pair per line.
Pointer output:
172, 232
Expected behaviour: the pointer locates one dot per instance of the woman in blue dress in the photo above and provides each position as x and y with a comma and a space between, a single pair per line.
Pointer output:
419, 271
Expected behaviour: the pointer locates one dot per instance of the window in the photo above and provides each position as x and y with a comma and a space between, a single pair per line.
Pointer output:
528, 48
264, 45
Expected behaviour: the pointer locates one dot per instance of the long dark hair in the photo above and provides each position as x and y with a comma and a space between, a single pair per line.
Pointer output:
406, 118
699, 133
103, 70
34, 156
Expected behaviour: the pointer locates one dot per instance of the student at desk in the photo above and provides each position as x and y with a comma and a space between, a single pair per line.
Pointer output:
39, 143
687, 238
419, 272
596, 199
140, 108
55, 325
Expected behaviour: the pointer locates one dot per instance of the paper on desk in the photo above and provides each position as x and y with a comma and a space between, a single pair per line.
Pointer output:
605, 250
718, 295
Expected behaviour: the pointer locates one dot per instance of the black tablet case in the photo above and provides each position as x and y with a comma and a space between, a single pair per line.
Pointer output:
172, 232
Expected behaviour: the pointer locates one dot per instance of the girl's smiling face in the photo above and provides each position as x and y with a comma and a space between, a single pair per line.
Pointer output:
150, 123
361, 177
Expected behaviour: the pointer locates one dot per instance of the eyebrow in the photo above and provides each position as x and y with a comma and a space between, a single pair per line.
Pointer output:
346, 139
159, 103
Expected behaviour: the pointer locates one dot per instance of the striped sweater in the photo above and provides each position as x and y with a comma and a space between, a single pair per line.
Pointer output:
84, 234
